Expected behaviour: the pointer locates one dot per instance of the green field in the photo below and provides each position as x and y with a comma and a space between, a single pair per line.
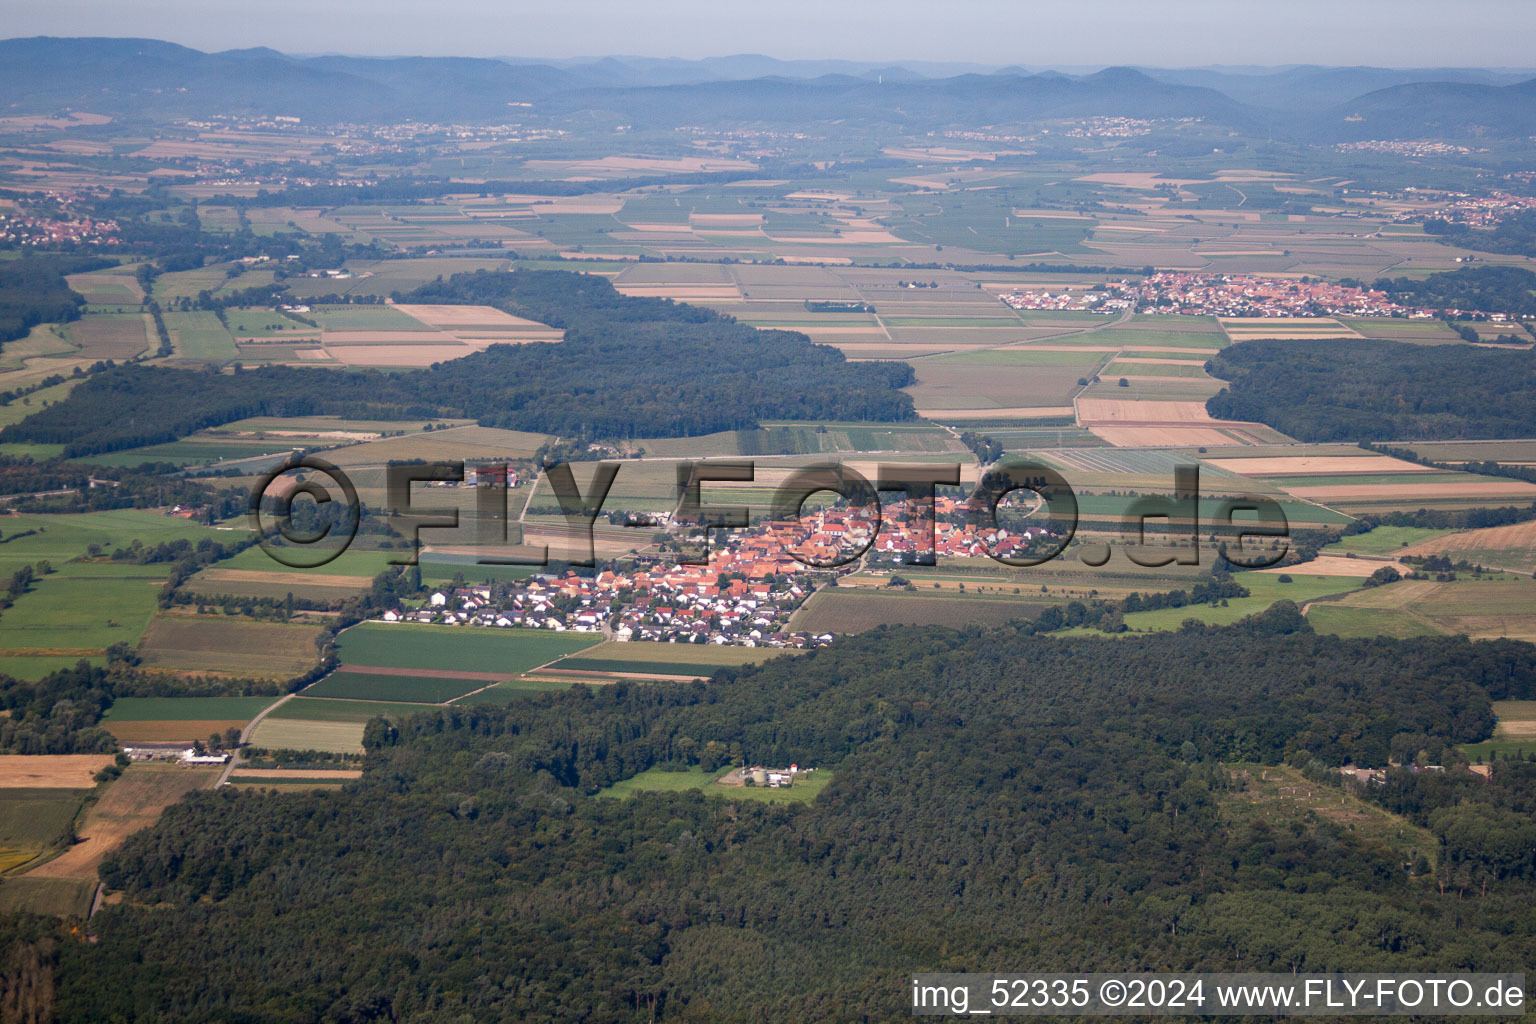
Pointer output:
465, 648
265, 323
337, 737
364, 318
514, 690
194, 452
315, 709
1365, 623
355, 561
1383, 540
351, 685
32, 820
1514, 733
185, 709
1264, 590
668, 658
664, 780
82, 607
853, 610
199, 335
57, 897
206, 643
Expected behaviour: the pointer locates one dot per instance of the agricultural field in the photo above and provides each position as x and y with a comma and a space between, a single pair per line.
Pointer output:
639, 658
133, 801
1481, 608
255, 650
112, 286
1264, 588
1385, 540
83, 605
110, 336
503, 653
50, 771
512, 690
33, 820
414, 686
1504, 547
199, 336
1514, 733
1013, 382
334, 725
854, 610
179, 719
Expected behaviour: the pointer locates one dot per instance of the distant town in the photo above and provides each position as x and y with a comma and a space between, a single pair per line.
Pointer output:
745, 596
1231, 295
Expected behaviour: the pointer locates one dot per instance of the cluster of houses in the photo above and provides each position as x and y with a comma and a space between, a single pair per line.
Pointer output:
24, 229
1233, 295
745, 596
1479, 211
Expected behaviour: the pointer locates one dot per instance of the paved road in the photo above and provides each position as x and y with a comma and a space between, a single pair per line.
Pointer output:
245, 737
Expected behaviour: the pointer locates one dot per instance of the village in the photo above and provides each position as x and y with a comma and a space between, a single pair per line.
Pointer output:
755, 580
1230, 295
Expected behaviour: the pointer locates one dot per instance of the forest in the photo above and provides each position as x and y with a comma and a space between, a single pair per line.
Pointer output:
1514, 236
628, 367
1509, 290
1376, 390
999, 801
33, 291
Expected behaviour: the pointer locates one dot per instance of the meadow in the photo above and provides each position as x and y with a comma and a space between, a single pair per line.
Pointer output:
509, 652
33, 820
1514, 733
664, 779
424, 688
257, 650
850, 610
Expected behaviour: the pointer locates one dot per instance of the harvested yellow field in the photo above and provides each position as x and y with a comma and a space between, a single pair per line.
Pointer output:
1336, 565
1512, 547
291, 579
1163, 437
1284, 328
681, 292
417, 356
133, 802
1386, 492
297, 734
51, 771
453, 316
1120, 410
1322, 465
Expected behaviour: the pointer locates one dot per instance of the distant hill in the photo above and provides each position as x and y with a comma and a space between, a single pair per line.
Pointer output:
1312, 88
153, 79
1448, 110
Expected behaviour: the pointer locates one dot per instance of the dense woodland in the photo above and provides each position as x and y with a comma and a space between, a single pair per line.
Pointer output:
1515, 236
629, 367
33, 291
1509, 290
1377, 390
1000, 801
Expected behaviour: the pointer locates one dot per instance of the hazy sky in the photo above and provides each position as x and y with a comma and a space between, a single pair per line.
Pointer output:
1170, 33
